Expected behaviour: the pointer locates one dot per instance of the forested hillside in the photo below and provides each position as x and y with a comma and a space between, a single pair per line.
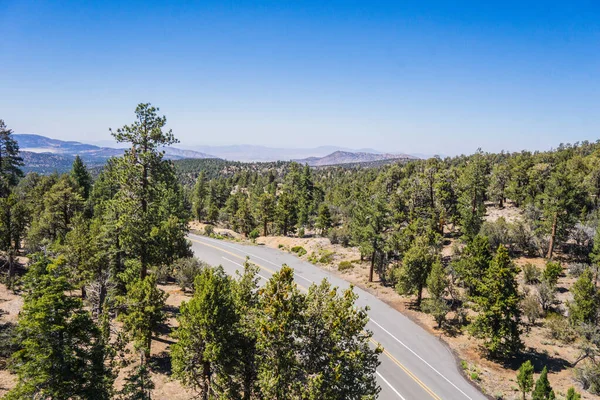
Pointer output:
88, 265
427, 229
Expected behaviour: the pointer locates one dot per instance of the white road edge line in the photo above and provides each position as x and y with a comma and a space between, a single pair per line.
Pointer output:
386, 331
391, 387
240, 265
421, 358
263, 259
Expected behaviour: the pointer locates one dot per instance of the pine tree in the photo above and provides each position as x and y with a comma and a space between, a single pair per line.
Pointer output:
144, 313
286, 213
543, 390
525, 378
14, 218
265, 211
572, 394
200, 196
280, 325
149, 193
10, 161
138, 384
416, 265
586, 301
473, 263
437, 286
473, 186
81, 177
61, 353
324, 219
499, 317
337, 359
204, 356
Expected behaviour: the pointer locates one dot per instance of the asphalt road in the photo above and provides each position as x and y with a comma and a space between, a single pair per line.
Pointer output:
415, 364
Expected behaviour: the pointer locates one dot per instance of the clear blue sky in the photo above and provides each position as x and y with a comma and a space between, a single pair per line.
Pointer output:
425, 76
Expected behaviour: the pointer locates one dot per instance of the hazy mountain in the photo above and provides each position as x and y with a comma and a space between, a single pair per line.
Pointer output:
249, 153
347, 157
89, 152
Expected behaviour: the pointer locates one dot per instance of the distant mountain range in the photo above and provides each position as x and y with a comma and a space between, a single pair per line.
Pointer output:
89, 152
43, 154
347, 157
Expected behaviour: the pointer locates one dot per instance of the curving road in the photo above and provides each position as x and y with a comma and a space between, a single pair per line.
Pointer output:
414, 366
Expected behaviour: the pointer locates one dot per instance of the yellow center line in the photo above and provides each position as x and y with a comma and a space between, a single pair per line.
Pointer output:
376, 343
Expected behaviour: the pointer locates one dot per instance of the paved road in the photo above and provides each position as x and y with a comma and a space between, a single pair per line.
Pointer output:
414, 366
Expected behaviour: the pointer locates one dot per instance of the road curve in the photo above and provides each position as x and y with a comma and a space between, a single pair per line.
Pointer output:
415, 364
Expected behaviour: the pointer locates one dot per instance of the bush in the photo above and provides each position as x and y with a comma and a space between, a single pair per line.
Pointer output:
552, 272
576, 269
531, 274
559, 328
531, 308
209, 230
280, 246
162, 273
339, 236
474, 376
299, 250
344, 265
589, 377
301, 232
322, 257
497, 233
7, 342
186, 270
254, 234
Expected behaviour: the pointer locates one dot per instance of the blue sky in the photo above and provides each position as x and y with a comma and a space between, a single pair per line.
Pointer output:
418, 77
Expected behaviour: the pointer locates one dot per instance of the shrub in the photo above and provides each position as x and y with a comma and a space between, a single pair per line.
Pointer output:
559, 328
254, 234
546, 294
162, 273
531, 274
322, 257
280, 246
552, 272
531, 308
474, 376
7, 342
497, 233
186, 270
301, 232
299, 250
589, 377
577, 269
209, 230
339, 236
345, 265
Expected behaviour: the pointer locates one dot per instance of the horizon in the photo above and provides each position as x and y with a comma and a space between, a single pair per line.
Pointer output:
416, 79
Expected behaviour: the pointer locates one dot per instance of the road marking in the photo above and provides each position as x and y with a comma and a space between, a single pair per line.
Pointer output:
387, 383
241, 266
388, 354
264, 259
420, 358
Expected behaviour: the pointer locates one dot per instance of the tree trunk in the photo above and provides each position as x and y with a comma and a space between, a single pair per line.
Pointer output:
372, 265
265, 228
552, 237
419, 296
205, 380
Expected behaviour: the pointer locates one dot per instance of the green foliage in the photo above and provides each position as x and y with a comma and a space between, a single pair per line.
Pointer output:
572, 394
552, 272
204, 356
200, 196
531, 273
10, 162
186, 270
143, 314
57, 338
345, 265
299, 250
416, 265
586, 301
437, 286
255, 234
525, 378
499, 313
473, 264
559, 328
138, 384
531, 308
543, 390
82, 178
324, 222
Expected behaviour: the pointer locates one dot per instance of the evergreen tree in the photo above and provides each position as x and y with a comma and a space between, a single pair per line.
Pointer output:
473, 185
204, 356
586, 301
543, 390
324, 219
416, 265
265, 211
200, 196
499, 317
280, 324
337, 359
14, 218
473, 263
437, 286
61, 354
286, 213
10, 161
143, 314
138, 384
81, 177
525, 378
572, 394
149, 193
